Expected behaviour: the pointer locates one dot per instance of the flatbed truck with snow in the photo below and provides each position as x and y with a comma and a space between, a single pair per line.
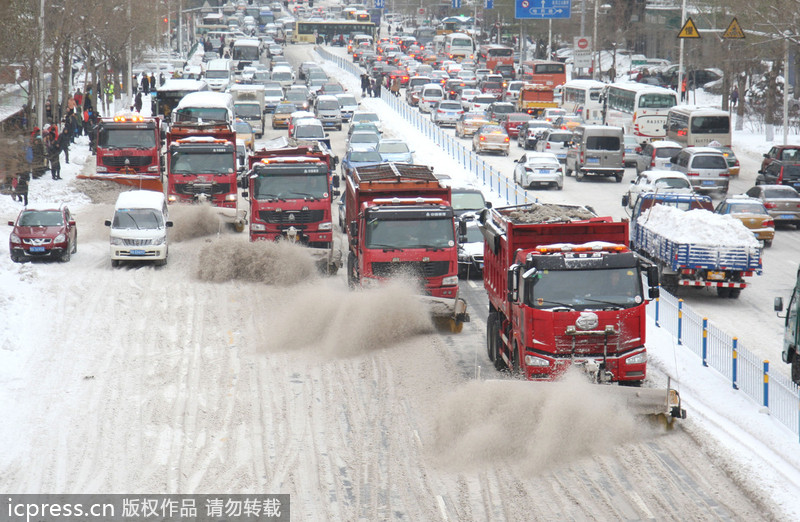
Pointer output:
690, 252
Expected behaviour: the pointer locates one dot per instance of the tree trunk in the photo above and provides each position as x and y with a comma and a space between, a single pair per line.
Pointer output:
741, 83
769, 117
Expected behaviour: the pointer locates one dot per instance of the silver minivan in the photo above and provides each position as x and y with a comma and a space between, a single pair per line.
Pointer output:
597, 150
328, 110
431, 94
706, 168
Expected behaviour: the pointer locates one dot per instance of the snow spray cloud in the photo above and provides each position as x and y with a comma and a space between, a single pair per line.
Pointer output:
228, 258
536, 426
341, 323
193, 221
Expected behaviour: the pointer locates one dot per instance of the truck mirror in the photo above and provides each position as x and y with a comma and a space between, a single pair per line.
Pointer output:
778, 304
169, 224
11, 223
654, 292
652, 276
335, 181
336, 192
626, 198
488, 204
245, 194
462, 228
513, 283
353, 227
107, 222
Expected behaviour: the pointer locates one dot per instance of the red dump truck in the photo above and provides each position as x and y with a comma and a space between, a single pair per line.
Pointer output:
399, 222
128, 148
564, 289
290, 190
201, 166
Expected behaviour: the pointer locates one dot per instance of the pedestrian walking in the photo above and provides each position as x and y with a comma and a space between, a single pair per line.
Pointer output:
152, 82
21, 190
38, 160
372, 87
145, 84
137, 103
364, 84
64, 139
53, 153
683, 89
735, 96
377, 88
395, 88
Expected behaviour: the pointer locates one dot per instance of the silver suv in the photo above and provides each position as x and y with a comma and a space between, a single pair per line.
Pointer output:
706, 168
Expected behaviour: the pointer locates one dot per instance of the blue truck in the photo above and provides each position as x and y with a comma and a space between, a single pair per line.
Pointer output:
682, 263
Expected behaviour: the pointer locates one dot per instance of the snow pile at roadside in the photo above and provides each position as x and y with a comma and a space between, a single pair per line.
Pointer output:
699, 227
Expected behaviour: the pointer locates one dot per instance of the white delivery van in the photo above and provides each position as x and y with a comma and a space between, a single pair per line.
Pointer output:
219, 74
139, 227
205, 107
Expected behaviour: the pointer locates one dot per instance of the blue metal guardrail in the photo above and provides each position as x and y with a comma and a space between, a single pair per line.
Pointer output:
715, 348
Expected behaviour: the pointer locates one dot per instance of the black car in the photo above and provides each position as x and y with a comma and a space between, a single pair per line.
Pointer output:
467, 199
780, 173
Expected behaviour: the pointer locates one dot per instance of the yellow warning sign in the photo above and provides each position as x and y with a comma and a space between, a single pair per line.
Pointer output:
689, 30
734, 30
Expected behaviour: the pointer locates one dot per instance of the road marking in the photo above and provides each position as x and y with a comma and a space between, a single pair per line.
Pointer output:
442, 507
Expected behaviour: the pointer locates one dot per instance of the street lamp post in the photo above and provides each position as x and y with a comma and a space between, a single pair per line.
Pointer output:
595, 57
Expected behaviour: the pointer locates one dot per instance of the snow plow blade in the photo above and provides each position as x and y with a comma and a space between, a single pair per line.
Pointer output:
447, 314
140, 182
648, 401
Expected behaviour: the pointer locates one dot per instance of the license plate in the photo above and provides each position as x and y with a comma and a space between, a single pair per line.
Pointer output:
544, 171
786, 216
559, 156
137, 252
667, 165
716, 276
37, 249
708, 183
592, 160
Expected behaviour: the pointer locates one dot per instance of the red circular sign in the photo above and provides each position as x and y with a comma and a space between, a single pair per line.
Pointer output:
583, 43
525, 4
421, 10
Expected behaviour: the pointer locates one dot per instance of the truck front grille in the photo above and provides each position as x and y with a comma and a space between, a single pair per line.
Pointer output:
290, 217
135, 161
411, 268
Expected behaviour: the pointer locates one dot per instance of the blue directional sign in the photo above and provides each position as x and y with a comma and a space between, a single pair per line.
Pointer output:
489, 4
456, 4
379, 4
542, 9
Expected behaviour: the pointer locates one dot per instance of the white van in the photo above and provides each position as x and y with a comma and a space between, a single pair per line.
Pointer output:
328, 110
283, 75
219, 74
431, 94
139, 227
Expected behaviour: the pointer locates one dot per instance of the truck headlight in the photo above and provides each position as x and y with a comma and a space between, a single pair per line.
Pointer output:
450, 281
231, 197
326, 226
117, 241
532, 360
153, 168
101, 168
257, 227
639, 358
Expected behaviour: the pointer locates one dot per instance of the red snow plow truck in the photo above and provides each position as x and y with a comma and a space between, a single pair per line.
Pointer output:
400, 223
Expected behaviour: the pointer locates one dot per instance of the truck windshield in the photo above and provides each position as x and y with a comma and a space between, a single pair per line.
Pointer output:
205, 162
218, 74
137, 219
201, 113
251, 111
291, 186
584, 289
127, 138
409, 233
245, 52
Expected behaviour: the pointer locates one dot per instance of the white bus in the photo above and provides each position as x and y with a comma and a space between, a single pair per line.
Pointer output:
639, 109
459, 46
584, 97
698, 126
246, 51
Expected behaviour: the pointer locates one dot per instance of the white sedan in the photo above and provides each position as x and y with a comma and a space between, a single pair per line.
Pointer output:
536, 169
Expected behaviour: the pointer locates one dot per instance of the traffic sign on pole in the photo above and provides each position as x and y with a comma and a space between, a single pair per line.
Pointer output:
489, 4
689, 30
456, 4
734, 30
379, 4
542, 9
581, 52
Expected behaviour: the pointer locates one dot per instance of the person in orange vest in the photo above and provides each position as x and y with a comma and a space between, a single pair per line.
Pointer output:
683, 89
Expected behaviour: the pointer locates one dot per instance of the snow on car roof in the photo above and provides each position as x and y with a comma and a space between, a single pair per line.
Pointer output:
181, 84
206, 99
140, 199
44, 205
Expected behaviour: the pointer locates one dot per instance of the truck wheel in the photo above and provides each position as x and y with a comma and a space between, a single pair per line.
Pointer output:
796, 369
161, 262
619, 178
333, 268
67, 255
735, 292
351, 268
239, 226
490, 325
723, 291
15, 258
115, 263
579, 175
